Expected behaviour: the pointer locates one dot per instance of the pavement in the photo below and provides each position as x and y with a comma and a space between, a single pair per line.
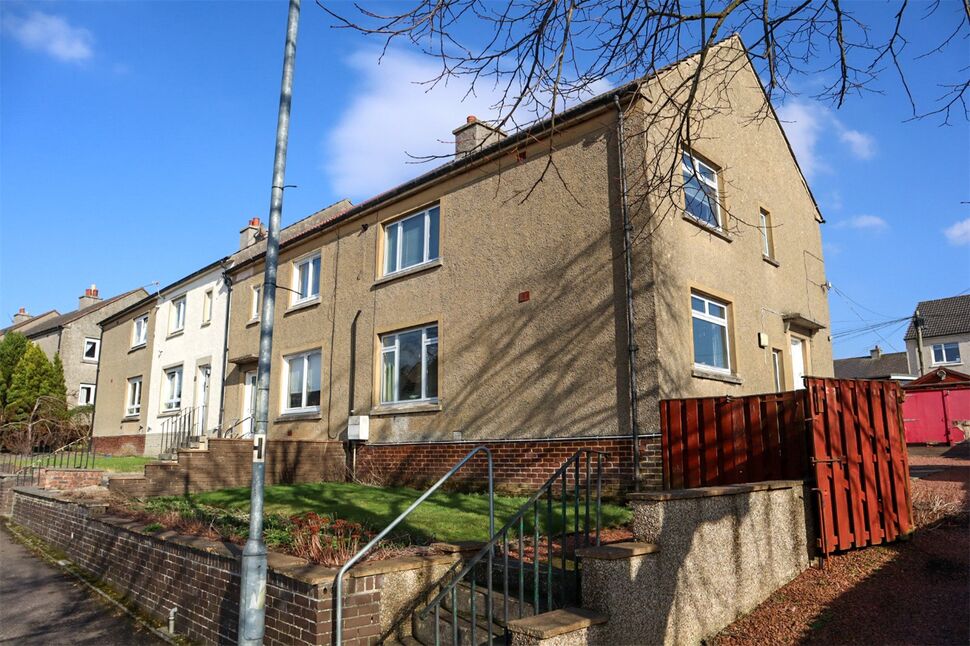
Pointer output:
39, 604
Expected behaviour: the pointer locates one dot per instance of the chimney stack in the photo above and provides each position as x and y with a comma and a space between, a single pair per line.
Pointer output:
251, 234
21, 316
475, 135
875, 353
90, 297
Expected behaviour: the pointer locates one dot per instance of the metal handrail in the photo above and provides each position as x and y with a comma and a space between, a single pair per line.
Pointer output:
338, 580
488, 551
177, 430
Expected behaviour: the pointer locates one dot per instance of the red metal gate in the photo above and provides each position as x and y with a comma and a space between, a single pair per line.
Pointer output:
860, 462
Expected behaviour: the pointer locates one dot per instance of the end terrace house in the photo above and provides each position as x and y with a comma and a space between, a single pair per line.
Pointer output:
76, 337
493, 299
162, 364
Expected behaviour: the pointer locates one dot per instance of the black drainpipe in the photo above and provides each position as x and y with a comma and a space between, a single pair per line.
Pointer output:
225, 347
630, 319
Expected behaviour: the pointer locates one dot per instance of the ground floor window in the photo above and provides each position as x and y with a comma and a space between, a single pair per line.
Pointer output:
172, 395
710, 328
302, 382
85, 395
133, 406
409, 365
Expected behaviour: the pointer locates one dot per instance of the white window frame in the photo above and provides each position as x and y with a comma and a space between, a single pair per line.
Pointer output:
256, 295
90, 400
312, 283
396, 351
305, 358
397, 252
767, 239
695, 170
942, 347
177, 318
716, 320
776, 370
172, 396
97, 350
133, 397
207, 297
137, 341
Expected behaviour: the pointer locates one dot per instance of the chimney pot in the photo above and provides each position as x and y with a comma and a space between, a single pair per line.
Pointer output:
471, 119
21, 316
22, 310
90, 297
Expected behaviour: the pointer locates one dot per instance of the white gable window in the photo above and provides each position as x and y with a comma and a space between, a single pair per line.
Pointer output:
85, 395
710, 327
306, 275
92, 349
411, 241
207, 307
177, 320
302, 390
946, 353
409, 365
701, 198
172, 389
133, 406
767, 237
139, 331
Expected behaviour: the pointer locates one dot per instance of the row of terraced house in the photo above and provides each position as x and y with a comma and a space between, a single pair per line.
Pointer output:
453, 310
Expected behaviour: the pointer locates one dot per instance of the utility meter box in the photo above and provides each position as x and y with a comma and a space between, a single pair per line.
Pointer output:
358, 427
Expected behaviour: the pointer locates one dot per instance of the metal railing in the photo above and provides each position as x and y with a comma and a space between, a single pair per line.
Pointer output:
179, 431
78, 454
229, 432
338, 580
516, 531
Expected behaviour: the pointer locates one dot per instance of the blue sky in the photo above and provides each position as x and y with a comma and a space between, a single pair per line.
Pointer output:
136, 139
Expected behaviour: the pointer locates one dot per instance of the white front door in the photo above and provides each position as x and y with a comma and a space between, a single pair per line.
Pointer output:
798, 362
249, 403
204, 373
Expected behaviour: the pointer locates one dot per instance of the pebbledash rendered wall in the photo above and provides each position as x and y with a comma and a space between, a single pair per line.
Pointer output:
200, 578
519, 466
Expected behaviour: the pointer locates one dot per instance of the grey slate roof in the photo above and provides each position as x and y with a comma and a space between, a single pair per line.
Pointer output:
29, 323
889, 364
64, 319
943, 316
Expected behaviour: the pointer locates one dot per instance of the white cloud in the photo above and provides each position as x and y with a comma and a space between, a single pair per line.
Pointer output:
864, 222
393, 115
959, 233
808, 123
52, 35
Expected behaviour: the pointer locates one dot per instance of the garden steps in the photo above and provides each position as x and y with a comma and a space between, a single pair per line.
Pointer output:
464, 596
423, 630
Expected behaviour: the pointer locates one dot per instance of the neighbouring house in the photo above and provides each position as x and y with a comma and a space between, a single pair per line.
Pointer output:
24, 322
451, 309
76, 337
878, 365
944, 327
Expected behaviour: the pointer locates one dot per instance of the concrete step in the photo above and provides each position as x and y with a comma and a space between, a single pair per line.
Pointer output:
464, 597
424, 630
405, 641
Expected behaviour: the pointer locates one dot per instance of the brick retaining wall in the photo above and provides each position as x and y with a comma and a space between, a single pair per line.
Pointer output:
68, 479
520, 466
200, 578
120, 444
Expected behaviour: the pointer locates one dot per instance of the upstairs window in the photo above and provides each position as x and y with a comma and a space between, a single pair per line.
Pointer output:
946, 353
133, 406
710, 328
92, 348
302, 393
172, 395
307, 277
207, 307
767, 239
139, 332
409, 366
701, 198
177, 320
411, 241
255, 303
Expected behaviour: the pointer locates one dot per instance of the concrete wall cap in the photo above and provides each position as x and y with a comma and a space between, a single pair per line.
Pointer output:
556, 622
707, 492
400, 564
617, 551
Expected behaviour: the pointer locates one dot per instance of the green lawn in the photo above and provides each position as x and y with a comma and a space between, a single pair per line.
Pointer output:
446, 516
121, 464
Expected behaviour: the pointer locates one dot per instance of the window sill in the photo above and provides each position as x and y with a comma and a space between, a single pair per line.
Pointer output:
170, 413
410, 271
310, 415
206, 324
771, 261
93, 362
946, 364
252, 322
714, 231
701, 373
172, 335
405, 409
131, 418
140, 346
302, 305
